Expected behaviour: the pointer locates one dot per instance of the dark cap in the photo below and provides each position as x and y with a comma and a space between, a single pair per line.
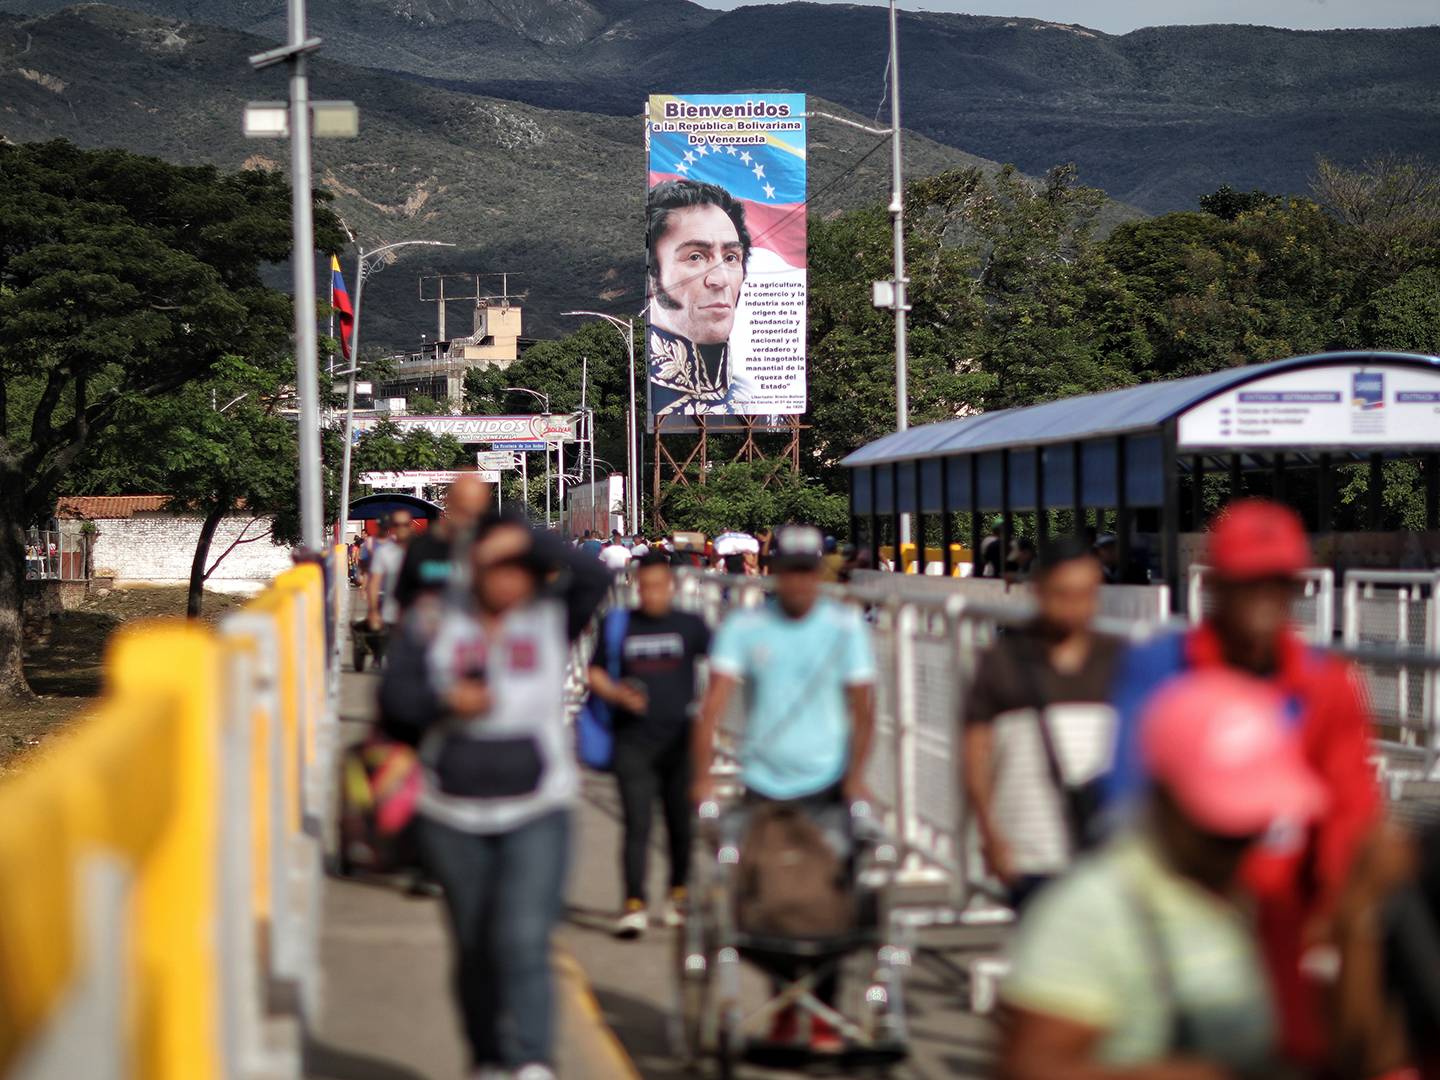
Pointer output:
797, 547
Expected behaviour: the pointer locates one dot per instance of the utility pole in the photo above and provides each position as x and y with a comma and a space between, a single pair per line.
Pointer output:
366, 263
893, 294
897, 213
626, 327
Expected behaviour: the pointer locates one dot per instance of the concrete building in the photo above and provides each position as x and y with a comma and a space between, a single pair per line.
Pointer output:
438, 370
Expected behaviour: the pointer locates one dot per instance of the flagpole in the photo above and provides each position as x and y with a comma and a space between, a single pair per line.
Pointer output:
330, 332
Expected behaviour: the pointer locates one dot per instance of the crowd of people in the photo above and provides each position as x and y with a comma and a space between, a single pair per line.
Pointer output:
1189, 828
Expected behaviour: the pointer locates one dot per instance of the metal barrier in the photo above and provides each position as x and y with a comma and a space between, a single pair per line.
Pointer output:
1314, 609
927, 643
158, 863
1398, 609
1145, 603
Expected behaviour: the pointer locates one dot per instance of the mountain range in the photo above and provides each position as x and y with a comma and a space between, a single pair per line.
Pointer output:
513, 126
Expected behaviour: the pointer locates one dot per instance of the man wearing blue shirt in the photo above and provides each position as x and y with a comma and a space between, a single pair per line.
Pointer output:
809, 672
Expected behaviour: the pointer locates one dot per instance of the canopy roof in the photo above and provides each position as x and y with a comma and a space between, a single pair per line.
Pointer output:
1116, 412
373, 507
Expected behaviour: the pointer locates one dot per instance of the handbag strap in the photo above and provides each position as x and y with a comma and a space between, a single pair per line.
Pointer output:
787, 717
1034, 669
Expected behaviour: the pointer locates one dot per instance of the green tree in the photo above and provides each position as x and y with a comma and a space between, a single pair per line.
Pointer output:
121, 277
1227, 204
753, 495
214, 446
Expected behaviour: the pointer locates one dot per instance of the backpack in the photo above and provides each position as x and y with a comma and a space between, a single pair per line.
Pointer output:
379, 789
790, 882
595, 723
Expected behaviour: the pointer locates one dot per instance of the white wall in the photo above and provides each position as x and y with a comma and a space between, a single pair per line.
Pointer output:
159, 547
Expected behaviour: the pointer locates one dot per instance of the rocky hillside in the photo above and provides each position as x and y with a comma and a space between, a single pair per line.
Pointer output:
1156, 117
553, 197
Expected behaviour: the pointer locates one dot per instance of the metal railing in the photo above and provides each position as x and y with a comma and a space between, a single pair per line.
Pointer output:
927, 645
1314, 612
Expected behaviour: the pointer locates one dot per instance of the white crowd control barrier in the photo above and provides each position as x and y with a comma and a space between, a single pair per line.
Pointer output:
927, 643
1314, 612
1397, 611
1141, 603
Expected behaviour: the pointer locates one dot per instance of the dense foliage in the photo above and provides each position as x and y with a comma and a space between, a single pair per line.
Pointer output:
123, 282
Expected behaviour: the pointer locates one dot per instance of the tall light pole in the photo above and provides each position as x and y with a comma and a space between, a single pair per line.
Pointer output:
897, 213
632, 457
545, 399
366, 263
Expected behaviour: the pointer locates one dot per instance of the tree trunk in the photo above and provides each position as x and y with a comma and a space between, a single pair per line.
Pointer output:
213, 517
12, 596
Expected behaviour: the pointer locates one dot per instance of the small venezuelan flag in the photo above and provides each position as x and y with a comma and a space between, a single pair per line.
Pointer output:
340, 301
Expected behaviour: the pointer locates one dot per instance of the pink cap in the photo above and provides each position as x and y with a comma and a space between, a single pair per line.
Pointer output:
1217, 741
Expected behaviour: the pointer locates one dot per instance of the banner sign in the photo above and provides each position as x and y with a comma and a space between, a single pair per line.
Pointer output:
1344, 405
411, 478
496, 459
488, 429
725, 217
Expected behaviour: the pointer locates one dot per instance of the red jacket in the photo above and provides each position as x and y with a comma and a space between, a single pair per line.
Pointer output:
1296, 880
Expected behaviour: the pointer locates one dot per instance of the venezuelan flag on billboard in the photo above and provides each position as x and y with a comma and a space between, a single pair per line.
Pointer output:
725, 232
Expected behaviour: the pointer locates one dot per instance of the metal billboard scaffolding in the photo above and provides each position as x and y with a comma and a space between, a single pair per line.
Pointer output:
682, 445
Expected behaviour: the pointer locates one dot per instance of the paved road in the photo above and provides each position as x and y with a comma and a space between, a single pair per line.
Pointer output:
387, 1013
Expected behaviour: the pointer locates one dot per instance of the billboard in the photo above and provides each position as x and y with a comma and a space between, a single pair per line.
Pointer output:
725, 232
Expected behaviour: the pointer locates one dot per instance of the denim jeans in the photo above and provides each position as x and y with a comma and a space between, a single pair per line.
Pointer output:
504, 893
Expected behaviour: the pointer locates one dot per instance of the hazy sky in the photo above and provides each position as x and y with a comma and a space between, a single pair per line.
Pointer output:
1120, 16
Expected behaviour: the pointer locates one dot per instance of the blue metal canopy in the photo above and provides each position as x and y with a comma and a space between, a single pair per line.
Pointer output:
1094, 416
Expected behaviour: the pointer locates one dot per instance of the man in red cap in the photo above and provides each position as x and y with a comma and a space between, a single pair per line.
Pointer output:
1141, 962
1256, 550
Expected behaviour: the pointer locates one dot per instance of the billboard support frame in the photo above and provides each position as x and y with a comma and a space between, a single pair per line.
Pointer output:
673, 458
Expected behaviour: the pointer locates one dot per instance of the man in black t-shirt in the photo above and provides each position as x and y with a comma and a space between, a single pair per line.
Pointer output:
1037, 712
653, 701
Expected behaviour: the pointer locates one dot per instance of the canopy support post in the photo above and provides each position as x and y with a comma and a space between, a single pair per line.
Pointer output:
947, 518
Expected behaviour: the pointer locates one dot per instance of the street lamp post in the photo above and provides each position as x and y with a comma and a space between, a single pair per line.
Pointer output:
632, 477
366, 263
545, 400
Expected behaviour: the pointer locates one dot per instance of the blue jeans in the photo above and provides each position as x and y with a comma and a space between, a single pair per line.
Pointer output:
504, 893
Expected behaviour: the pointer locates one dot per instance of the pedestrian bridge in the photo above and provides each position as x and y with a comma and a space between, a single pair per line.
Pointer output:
165, 912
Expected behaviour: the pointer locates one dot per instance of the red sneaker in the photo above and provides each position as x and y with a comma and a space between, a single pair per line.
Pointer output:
785, 1028
824, 1038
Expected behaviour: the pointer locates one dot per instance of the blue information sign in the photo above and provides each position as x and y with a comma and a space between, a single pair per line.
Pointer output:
523, 446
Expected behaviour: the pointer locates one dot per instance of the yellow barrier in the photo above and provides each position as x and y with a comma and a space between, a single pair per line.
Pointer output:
121, 843
958, 554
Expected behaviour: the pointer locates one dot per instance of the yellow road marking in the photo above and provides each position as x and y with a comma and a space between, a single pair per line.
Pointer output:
585, 996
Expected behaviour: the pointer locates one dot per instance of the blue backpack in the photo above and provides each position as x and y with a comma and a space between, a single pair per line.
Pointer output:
594, 725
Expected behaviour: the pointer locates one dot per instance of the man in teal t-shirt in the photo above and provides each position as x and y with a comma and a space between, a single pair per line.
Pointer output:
809, 674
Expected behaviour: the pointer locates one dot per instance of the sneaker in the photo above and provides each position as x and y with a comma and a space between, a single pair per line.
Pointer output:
634, 922
673, 914
824, 1039
785, 1028
534, 1071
